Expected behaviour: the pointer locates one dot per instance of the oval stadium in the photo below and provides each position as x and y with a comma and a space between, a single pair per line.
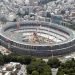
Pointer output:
37, 38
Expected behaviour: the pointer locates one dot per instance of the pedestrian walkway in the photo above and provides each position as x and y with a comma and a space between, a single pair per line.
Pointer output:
54, 71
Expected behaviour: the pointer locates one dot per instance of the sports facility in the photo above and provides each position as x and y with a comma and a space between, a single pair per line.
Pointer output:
37, 38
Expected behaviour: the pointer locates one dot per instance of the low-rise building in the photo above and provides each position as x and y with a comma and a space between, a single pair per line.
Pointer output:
11, 68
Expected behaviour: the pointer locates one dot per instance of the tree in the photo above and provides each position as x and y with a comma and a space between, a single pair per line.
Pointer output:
53, 62
30, 68
35, 73
63, 12
1, 59
27, 59
60, 73
3, 19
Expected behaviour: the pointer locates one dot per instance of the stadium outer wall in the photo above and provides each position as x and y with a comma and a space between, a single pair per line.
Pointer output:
58, 49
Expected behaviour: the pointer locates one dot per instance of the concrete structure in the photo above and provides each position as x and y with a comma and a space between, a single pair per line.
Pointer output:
58, 39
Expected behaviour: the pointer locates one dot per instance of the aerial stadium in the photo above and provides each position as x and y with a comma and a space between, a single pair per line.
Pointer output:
37, 38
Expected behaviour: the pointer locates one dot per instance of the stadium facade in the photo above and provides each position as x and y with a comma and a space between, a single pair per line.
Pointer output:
63, 38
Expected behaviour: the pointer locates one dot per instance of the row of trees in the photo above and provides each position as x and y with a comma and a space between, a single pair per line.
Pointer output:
15, 58
23, 59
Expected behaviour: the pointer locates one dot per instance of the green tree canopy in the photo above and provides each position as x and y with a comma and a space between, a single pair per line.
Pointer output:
53, 62
1, 59
35, 73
